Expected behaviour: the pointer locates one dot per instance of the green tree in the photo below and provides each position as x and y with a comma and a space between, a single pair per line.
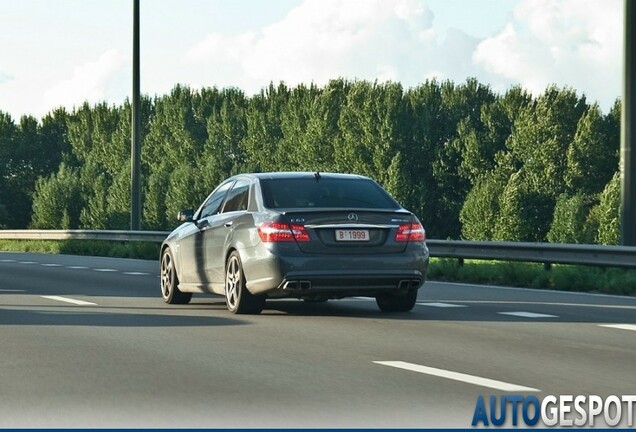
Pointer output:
320, 142
182, 193
118, 200
95, 183
54, 141
264, 131
606, 215
461, 104
23, 170
224, 149
372, 124
3, 213
538, 146
396, 182
481, 141
91, 132
154, 204
57, 201
424, 131
541, 138
295, 118
525, 214
592, 156
467, 161
570, 222
481, 208
177, 132
8, 132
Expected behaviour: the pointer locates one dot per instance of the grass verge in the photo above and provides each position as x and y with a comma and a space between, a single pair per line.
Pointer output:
532, 275
140, 250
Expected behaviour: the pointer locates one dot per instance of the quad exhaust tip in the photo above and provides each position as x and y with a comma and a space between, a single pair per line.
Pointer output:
406, 284
297, 285
305, 285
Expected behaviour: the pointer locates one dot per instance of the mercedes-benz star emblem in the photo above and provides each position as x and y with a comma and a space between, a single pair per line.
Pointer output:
352, 217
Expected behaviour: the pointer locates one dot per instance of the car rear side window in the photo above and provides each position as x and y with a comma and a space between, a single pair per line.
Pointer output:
213, 204
237, 198
324, 193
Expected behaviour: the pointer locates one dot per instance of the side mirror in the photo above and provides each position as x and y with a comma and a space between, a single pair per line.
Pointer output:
185, 215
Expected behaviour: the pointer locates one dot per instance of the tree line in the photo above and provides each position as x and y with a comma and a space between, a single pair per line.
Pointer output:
470, 162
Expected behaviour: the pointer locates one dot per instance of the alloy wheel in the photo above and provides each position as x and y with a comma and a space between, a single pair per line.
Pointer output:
233, 283
166, 275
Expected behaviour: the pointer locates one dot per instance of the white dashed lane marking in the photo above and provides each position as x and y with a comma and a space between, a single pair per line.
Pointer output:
70, 300
620, 326
78, 267
438, 304
442, 305
527, 314
457, 376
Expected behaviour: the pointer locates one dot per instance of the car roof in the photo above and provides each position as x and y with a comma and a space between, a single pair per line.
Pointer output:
299, 175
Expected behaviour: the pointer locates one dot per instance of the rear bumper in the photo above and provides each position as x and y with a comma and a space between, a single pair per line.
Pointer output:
342, 284
301, 275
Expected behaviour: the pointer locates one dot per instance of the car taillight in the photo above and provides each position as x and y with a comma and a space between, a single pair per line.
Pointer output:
300, 233
282, 232
413, 232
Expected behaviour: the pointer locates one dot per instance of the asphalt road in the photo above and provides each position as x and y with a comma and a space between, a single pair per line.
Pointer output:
88, 342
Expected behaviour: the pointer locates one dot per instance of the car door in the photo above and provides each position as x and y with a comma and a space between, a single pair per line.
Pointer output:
216, 238
192, 251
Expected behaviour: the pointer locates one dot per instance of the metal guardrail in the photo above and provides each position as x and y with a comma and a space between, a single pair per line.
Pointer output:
107, 235
546, 253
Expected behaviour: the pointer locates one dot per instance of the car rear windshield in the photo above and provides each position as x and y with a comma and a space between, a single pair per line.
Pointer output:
324, 193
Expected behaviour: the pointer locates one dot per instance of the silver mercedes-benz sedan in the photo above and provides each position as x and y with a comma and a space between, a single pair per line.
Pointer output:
312, 236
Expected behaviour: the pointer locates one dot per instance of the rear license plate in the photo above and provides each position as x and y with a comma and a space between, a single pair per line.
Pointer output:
352, 235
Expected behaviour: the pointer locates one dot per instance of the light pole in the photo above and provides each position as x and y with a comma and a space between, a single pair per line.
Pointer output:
135, 148
628, 130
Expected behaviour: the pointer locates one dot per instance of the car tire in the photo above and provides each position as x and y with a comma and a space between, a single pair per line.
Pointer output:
393, 302
237, 297
170, 282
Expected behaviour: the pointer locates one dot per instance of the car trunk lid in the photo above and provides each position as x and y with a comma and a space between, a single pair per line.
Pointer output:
359, 231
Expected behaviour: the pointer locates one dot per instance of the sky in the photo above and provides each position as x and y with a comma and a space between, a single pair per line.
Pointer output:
65, 52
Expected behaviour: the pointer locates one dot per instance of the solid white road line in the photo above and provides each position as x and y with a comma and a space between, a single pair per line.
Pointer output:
620, 326
527, 314
441, 305
537, 290
536, 303
70, 300
456, 376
